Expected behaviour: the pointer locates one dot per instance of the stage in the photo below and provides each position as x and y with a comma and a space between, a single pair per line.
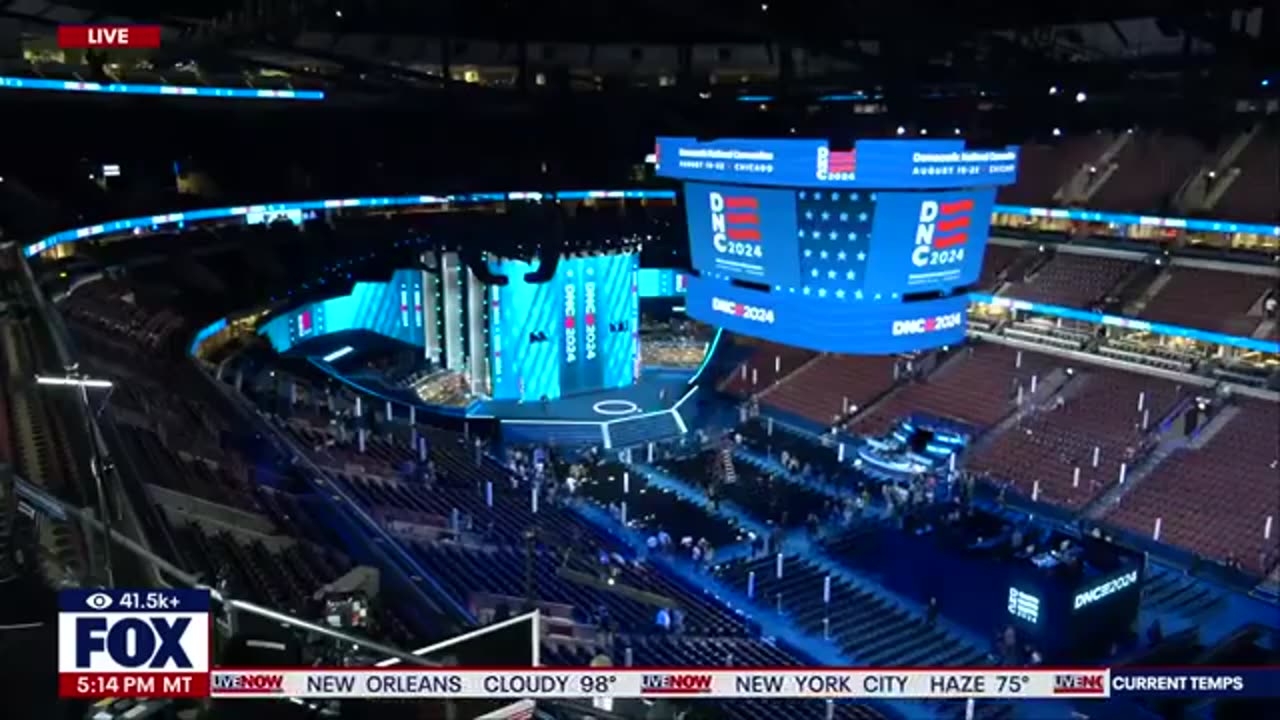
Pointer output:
659, 406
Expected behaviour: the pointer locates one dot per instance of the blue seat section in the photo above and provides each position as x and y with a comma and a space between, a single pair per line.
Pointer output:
651, 507
281, 578
755, 491
870, 629
502, 571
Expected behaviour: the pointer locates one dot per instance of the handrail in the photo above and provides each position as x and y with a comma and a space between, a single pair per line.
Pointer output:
61, 510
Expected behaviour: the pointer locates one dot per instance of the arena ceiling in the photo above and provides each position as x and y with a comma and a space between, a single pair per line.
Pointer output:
909, 47
803, 21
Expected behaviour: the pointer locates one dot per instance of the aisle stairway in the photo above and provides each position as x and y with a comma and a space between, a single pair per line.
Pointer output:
871, 629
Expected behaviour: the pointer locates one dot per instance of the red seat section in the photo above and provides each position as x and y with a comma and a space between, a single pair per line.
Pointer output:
1099, 410
978, 388
1209, 300
998, 261
1149, 171
767, 364
1216, 500
824, 389
1254, 194
1043, 168
1072, 280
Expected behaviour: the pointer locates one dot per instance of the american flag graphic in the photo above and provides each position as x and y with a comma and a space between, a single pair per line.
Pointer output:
742, 217
843, 161
953, 223
834, 238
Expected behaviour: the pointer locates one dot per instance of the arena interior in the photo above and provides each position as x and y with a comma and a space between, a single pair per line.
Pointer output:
253, 341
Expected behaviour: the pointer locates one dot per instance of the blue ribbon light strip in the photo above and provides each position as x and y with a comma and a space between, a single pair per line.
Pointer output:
151, 221
1097, 318
1219, 226
154, 221
22, 83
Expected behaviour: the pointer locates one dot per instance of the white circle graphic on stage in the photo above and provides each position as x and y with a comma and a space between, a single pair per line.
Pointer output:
615, 407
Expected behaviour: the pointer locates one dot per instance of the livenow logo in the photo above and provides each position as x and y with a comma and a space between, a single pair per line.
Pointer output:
1080, 684
741, 310
943, 226
675, 684
247, 683
84, 37
927, 325
1110, 587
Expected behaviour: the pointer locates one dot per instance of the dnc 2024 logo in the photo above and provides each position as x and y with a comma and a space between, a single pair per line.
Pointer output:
735, 225
942, 232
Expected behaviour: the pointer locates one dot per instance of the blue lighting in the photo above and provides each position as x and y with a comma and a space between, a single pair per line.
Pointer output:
1141, 325
154, 222
21, 83
1221, 226
755, 98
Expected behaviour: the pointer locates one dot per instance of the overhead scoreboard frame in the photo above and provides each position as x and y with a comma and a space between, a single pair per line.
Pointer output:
867, 249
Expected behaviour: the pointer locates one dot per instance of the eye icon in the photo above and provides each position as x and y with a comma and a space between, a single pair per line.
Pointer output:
98, 601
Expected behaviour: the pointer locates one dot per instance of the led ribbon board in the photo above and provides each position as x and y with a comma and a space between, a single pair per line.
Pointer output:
810, 163
22, 83
828, 324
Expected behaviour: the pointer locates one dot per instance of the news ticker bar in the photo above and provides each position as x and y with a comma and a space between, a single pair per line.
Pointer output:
543, 683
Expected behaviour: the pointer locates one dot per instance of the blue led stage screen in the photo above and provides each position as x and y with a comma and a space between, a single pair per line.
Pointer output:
576, 333
526, 334
662, 283
392, 309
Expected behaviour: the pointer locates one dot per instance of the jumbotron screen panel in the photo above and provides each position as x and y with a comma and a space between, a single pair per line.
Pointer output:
865, 250
577, 332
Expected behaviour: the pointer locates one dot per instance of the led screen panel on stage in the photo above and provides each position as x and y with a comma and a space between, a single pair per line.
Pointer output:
662, 283
392, 309
526, 334
618, 302
748, 233
827, 324
886, 164
578, 332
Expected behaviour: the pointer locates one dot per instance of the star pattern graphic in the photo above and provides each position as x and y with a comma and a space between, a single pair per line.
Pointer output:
834, 233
